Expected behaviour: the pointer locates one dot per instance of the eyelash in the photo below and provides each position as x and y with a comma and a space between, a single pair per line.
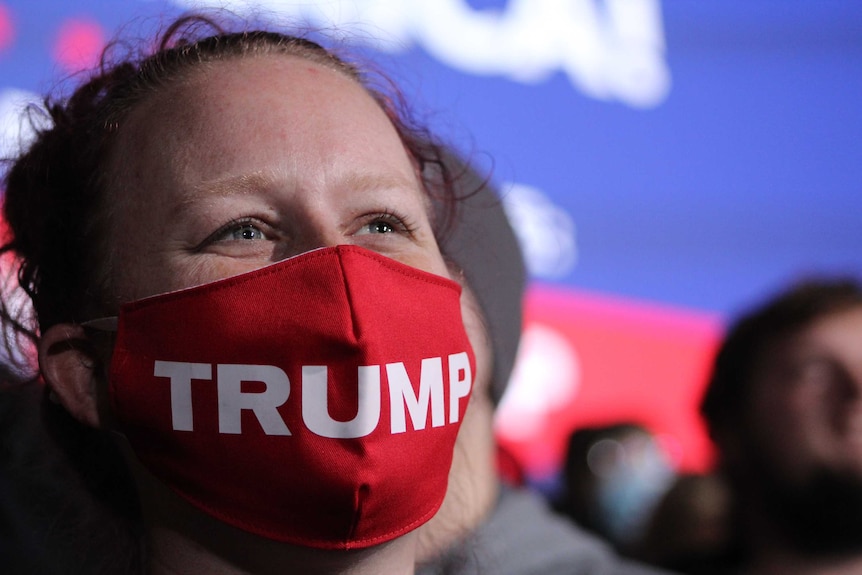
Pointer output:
400, 222
230, 227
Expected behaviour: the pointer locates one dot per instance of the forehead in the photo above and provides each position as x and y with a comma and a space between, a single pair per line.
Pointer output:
277, 104
841, 328
838, 332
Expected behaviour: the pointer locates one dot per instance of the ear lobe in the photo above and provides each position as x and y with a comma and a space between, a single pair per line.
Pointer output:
68, 365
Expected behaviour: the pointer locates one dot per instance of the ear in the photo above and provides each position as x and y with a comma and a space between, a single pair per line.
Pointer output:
68, 362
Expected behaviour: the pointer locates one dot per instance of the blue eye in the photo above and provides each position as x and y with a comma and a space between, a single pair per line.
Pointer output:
246, 231
386, 223
240, 235
379, 227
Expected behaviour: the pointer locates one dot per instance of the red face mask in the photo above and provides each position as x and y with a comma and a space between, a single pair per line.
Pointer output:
315, 401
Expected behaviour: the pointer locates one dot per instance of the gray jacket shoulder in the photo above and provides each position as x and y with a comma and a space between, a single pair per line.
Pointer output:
524, 537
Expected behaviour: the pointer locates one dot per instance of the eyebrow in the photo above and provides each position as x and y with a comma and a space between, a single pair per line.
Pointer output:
228, 186
263, 180
366, 181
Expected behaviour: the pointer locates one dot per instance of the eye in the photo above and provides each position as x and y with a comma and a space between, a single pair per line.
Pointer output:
378, 227
242, 230
385, 223
245, 231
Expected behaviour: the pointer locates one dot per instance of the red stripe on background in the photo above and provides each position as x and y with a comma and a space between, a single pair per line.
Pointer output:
635, 361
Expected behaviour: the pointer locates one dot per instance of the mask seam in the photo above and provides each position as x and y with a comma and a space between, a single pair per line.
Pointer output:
354, 324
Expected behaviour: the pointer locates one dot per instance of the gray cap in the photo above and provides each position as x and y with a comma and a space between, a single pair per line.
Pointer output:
483, 244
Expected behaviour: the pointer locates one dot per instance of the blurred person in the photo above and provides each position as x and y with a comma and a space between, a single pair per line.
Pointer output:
613, 475
688, 531
784, 408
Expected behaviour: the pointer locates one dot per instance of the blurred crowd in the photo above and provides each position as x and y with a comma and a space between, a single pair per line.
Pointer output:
783, 407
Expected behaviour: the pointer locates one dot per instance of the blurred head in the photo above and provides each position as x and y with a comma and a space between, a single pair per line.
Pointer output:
613, 477
790, 372
688, 530
784, 407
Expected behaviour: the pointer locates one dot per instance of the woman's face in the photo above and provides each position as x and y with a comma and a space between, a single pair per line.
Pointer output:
253, 160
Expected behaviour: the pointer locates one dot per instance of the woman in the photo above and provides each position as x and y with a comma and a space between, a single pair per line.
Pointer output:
290, 365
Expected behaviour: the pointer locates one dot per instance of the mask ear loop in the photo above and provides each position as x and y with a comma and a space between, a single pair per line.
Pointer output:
106, 325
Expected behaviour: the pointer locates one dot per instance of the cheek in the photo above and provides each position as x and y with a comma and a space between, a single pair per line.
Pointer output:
425, 261
792, 431
164, 274
191, 272
136, 277
808, 412
427, 257
781, 418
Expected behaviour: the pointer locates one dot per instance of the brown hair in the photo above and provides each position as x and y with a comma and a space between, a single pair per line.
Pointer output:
55, 202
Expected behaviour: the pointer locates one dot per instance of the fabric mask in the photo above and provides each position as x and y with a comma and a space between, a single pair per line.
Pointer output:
315, 401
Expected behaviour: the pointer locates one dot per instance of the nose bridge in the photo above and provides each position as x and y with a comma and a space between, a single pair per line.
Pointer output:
324, 233
316, 226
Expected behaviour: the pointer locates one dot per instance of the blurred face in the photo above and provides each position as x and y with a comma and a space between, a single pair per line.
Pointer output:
802, 441
806, 409
250, 161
